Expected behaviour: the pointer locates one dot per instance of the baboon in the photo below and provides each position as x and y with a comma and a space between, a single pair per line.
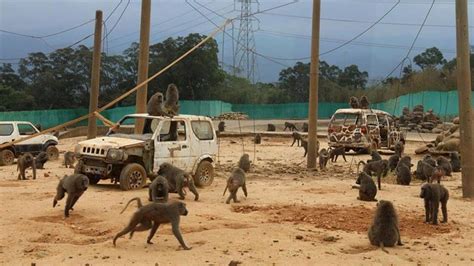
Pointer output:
335, 152
364, 102
69, 159
403, 175
144, 224
236, 180
323, 159
178, 180
271, 127
433, 194
367, 188
438, 173
158, 190
384, 231
304, 144
375, 156
304, 127
257, 139
244, 162
455, 162
290, 126
296, 138
424, 170
171, 104
405, 160
155, 105
399, 148
429, 160
74, 185
221, 126
354, 102
156, 213
41, 159
25, 161
393, 161
379, 168
39, 127
445, 165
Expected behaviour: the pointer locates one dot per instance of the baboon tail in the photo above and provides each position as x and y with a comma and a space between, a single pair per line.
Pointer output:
139, 203
225, 190
382, 247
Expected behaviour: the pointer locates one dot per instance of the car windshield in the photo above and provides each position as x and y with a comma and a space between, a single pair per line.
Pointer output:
6, 129
126, 126
346, 119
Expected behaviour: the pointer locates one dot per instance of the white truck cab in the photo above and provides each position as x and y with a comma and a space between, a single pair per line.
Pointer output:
14, 130
186, 141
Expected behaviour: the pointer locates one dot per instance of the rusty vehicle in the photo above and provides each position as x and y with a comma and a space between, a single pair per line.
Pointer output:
362, 130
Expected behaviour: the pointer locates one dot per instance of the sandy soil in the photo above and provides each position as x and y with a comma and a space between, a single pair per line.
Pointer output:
292, 215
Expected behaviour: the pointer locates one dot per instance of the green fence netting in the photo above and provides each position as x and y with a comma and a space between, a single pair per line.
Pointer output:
442, 103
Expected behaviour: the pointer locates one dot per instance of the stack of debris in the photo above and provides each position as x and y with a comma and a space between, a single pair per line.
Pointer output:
448, 140
419, 120
232, 116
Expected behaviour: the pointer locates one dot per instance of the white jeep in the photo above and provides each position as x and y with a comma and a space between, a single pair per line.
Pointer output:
13, 130
186, 141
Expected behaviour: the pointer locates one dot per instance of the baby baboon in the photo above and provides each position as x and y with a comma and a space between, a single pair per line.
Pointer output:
335, 152
445, 165
424, 170
323, 159
429, 160
257, 139
158, 213
364, 102
304, 144
354, 102
384, 231
271, 127
455, 162
304, 128
69, 159
290, 126
244, 162
74, 185
399, 148
221, 126
158, 190
171, 105
393, 161
296, 138
155, 105
25, 161
367, 188
438, 173
375, 156
379, 168
41, 159
236, 180
433, 194
178, 180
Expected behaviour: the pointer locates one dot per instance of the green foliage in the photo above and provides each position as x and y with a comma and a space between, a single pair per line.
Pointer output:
430, 58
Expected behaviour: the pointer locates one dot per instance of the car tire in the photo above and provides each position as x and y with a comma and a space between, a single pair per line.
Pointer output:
133, 176
7, 157
204, 175
53, 152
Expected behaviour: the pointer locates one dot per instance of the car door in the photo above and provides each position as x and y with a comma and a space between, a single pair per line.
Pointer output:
172, 144
373, 127
33, 145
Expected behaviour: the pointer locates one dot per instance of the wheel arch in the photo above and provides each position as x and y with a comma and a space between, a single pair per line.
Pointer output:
206, 157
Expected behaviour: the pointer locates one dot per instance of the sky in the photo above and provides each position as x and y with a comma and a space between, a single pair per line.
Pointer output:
281, 34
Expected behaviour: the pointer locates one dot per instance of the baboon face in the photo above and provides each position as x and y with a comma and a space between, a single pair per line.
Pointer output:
84, 183
182, 209
359, 178
425, 191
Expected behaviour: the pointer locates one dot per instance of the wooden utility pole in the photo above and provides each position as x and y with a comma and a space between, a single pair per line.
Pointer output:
95, 76
313, 86
464, 90
141, 100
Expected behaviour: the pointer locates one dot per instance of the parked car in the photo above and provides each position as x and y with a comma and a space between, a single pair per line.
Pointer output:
13, 130
186, 141
362, 129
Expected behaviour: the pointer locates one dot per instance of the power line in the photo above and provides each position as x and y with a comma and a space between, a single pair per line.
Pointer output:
119, 18
48, 35
113, 11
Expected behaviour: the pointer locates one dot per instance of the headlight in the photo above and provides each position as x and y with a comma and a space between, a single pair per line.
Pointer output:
115, 155
77, 149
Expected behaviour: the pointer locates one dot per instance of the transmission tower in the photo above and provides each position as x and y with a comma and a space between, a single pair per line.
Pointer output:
244, 63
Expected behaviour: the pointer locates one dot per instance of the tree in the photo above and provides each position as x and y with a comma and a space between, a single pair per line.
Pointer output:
353, 78
431, 57
329, 72
9, 78
295, 81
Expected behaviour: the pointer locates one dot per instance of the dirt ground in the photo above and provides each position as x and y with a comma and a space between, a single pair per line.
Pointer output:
291, 215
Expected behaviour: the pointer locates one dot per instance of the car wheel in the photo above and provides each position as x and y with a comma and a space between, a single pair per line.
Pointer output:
204, 174
7, 157
53, 152
133, 176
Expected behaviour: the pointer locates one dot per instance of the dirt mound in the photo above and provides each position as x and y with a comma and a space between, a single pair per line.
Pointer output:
345, 218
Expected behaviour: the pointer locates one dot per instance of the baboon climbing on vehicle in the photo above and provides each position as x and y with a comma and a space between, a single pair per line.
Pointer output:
24, 162
384, 231
74, 185
433, 194
354, 102
155, 105
364, 102
171, 104
235, 181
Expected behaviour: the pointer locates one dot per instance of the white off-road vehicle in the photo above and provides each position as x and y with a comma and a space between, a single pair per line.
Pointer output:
186, 141
13, 130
